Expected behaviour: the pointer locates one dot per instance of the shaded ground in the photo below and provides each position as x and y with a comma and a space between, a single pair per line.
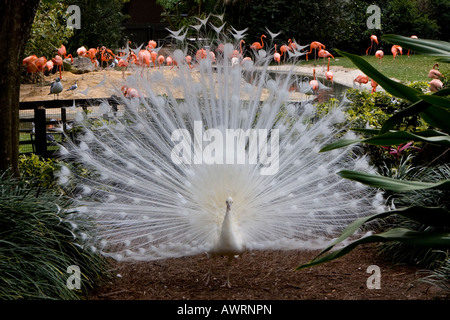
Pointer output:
266, 276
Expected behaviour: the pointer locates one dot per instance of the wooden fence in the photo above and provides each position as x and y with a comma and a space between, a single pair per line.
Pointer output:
39, 126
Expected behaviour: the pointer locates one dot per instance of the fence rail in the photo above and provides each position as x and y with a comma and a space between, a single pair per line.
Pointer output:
37, 123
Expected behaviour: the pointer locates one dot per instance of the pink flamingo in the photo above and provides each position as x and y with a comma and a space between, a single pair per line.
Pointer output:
49, 65
361, 79
374, 85
160, 60
283, 49
212, 56
82, 52
434, 73
277, 55
329, 75
373, 38
436, 85
151, 44
154, 57
29, 59
124, 65
63, 53
189, 60
292, 46
257, 45
412, 37
396, 49
201, 54
169, 61
314, 84
58, 61
324, 54
235, 53
314, 46
31, 67
130, 92
379, 54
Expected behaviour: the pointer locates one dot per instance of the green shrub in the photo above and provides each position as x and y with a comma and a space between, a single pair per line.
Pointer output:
422, 198
37, 245
371, 110
49, 30
38, 171
403, 253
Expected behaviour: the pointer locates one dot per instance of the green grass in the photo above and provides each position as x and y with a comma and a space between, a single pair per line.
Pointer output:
414, 68
26, 148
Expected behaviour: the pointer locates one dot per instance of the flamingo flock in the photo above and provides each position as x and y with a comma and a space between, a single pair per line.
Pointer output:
148, 57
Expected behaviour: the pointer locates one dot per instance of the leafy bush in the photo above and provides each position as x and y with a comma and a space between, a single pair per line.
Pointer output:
370, 110
440, 276
37, 171
37, 245
433, 218
400, 252
49, 30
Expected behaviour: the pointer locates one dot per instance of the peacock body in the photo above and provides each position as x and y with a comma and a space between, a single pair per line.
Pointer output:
162, 176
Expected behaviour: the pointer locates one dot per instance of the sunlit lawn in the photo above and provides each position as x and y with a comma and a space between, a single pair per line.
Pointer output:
414, 68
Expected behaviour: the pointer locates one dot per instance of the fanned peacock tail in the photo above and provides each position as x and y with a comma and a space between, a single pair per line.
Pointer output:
158, 179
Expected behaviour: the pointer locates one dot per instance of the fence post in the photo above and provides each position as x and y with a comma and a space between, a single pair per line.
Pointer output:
64, 118
40, 131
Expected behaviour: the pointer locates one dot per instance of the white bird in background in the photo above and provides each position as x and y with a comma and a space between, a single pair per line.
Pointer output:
56, 87
218, 160
73, 87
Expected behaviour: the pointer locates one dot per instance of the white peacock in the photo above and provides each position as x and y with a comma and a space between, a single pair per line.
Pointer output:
151, 200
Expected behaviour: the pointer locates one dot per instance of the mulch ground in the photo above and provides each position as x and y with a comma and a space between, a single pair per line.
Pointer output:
266, 276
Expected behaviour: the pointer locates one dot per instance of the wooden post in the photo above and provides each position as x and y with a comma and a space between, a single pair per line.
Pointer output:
64, 118
40, 131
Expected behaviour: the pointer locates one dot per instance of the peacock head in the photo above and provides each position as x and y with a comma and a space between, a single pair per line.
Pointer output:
229, 202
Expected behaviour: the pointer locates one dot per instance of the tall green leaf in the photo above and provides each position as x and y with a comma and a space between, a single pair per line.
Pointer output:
436, 101
394, 138
427, 215
437, 240
388, 183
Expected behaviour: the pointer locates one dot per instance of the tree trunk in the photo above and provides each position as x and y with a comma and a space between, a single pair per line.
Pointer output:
16, 20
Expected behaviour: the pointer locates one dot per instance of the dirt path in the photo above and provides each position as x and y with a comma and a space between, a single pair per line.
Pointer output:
266, 276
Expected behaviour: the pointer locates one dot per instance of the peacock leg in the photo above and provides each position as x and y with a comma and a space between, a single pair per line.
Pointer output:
229, 261
210, 270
